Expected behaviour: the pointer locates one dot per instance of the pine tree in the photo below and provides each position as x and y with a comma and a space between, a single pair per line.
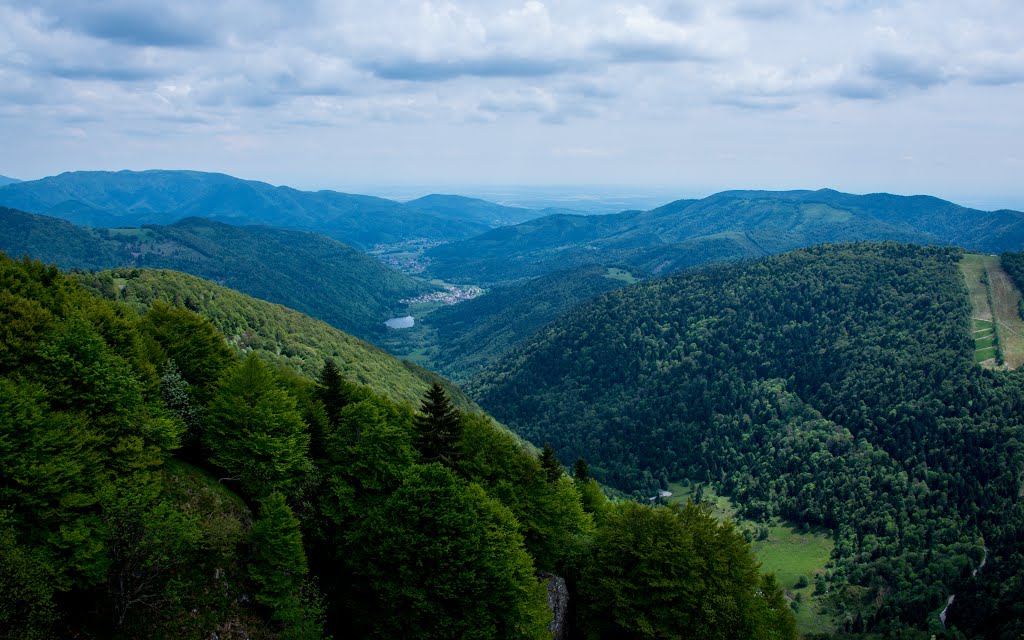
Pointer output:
438, 426
581, 470
550, 464
177, 396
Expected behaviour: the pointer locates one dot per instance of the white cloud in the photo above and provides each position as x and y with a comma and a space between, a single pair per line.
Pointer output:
521, 71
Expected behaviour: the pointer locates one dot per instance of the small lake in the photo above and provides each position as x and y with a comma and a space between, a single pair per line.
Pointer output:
400, 323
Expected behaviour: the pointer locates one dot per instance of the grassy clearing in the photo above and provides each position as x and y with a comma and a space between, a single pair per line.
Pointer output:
973, 267
984, 355
1005, 298
621, 275
1001, 315
788, 552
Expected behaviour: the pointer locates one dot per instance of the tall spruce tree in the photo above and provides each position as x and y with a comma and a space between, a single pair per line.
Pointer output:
438, 426
549, 462
581, 470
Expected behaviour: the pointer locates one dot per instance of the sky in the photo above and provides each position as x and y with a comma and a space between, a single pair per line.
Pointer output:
395, 97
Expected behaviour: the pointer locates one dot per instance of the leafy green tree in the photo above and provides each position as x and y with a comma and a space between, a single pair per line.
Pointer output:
366, 457
441, 559
27, 610
255, 431
199, 351
671, 572
150, 542
438, 426
551, 517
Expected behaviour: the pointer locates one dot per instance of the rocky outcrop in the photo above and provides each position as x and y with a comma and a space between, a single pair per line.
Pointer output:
558, 602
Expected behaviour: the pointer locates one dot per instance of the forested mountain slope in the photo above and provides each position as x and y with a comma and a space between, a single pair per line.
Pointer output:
279, 335
133, 198
732, 224
156, 485
4, 180
474, 333
303, 271
833, 385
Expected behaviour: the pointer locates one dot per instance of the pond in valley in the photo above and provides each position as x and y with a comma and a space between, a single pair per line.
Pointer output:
404, 322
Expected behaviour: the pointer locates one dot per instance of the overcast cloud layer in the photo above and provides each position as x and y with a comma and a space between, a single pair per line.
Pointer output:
861, 95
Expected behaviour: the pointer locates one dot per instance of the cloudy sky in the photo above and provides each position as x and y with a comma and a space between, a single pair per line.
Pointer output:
860, 95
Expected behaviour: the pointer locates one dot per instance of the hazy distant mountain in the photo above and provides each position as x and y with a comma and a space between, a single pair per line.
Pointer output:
731, 224
131, 198
460, 208
4, 180
307, 272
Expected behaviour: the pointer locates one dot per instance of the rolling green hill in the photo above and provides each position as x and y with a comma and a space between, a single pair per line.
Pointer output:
733, 224
280, 335
832, 386
303, 271
133, 198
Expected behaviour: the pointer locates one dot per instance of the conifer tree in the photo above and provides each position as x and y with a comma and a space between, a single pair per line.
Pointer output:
581, 470
330, 390
438, 426
550, 464
177, 396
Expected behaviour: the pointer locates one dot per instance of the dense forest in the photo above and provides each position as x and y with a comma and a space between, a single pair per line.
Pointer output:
834, 386
474, 333
280, 336
304, 271
154, 482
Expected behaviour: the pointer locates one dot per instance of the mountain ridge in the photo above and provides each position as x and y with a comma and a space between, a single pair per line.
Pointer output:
305, 271
771, 221
156, 196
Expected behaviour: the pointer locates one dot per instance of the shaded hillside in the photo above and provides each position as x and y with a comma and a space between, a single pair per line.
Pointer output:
4, 180
303, 271
474, 333
732, 224
834, 386
133, 198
